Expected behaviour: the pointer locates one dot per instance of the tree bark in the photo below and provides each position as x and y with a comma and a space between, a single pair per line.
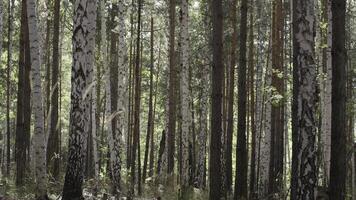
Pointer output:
241, 149
136, 131
83, 56
251, 69
8, 78
230, 111
277, 112
39, 135
185, 98
149, 135
216, 104
338, 159
304, 123
172, 90
53, 138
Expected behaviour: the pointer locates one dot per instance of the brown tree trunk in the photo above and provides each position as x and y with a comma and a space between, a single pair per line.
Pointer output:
277, 117
150, 111
172, 89
241, 151
338, 120
252, 109
230, 115
53, 137
23, 104
8, 89
136, 130
216, 104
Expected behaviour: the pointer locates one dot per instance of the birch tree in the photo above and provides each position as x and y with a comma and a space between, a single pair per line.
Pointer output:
304, 170
83, 41
39, 135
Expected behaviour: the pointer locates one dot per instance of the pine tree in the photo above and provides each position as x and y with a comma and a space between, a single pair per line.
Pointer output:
241, 149
337, 185
53, 138
215, 180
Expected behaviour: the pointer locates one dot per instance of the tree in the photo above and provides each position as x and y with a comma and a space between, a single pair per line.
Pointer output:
53, 138
83, 44
251, 72
304, 123
216, 102
8, 77
172, 89
326, 90
114, 142
136, 131
241, 150
338, 117
185, 98
149, 136
230, 111
39, 135
23, 117
122, 105
277, 112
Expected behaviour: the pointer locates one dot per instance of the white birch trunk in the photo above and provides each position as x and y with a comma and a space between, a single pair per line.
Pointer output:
39, 135
83, 41
305, 99
185, 93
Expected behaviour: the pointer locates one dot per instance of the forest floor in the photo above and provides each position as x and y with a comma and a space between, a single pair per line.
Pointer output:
151, 191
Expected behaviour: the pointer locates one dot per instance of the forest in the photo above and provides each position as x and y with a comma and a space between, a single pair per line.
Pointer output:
177, 99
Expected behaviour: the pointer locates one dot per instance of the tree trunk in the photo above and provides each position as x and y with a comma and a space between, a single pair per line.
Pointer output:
185, 98
136, 131
83, 57
152, 148
338, 118
149, 135
304, 123
230, 112
277, 112
326, 93
20, 155
172, 89
216, 104
241, 151
39, 135
8, 78
252, 109
53, 137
